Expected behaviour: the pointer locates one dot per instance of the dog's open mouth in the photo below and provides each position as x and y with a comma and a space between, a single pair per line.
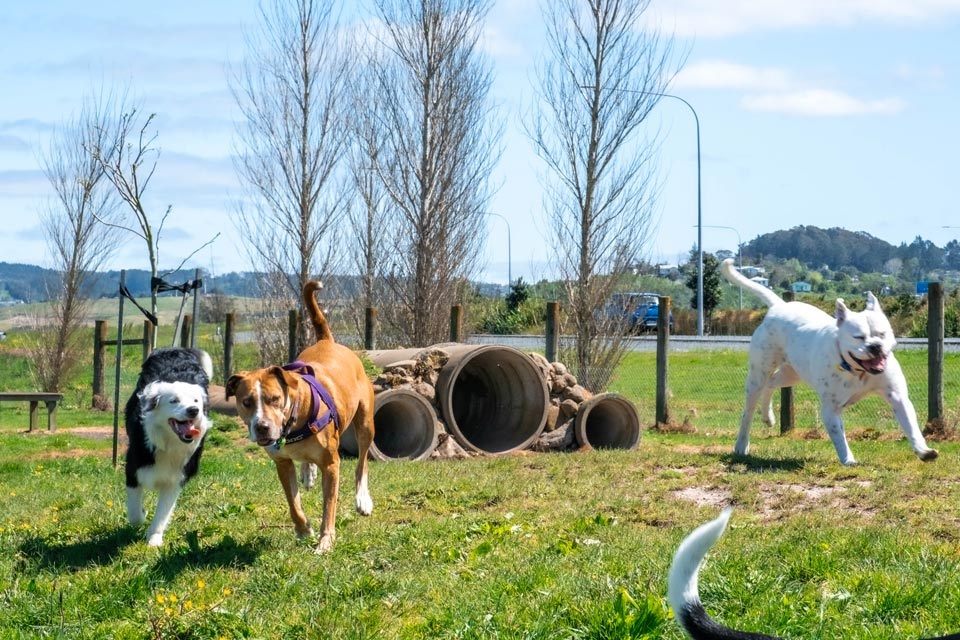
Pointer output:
265, 441
872, 365
186, 430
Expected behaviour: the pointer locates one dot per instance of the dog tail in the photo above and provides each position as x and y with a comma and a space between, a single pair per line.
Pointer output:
683, 591
730, 273
320, 325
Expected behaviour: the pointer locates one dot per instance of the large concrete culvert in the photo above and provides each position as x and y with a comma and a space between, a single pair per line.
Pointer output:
607, 421
405, 428
493, 399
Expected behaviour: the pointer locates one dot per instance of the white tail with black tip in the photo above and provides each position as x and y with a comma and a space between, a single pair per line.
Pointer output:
684, 593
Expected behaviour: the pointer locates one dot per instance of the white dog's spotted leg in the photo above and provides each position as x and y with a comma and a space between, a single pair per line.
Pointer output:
166, 501
907, 417
834, 426
135, 513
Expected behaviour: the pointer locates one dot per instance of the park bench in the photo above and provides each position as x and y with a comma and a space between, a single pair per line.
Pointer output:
35, 398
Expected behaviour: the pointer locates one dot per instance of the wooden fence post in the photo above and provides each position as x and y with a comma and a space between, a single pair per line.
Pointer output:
228, 346
456, 323
935, 352
786, 393
185, 330
663, 345
99, 362
553, 331
147, 339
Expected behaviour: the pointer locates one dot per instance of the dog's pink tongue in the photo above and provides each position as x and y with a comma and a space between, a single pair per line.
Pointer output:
193, 432
876, 364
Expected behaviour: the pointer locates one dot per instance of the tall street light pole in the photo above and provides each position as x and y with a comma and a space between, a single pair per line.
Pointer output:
509, 258
739, 251
696, 120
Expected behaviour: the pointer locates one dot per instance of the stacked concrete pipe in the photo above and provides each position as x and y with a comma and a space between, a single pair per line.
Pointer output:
405, 426
492, 398
607, 421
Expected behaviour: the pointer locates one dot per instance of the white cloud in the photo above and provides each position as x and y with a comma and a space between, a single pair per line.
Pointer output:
821, 102
710, 18
722, 74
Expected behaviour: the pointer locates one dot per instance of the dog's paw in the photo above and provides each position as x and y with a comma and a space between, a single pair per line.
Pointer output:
364, 504
155, 540
308, 475
929, 455
137, 518
325, 544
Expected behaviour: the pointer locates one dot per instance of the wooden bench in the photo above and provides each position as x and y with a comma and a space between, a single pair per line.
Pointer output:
50, 399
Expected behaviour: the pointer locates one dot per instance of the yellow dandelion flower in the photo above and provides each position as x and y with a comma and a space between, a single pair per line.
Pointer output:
227, 592
161, 598
188, 605
109, 503
168, 611
201, 584
173, 598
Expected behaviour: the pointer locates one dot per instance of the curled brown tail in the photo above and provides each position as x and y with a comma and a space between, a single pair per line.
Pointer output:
320, 326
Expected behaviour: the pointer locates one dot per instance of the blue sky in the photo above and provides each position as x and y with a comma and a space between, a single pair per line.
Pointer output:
821, 112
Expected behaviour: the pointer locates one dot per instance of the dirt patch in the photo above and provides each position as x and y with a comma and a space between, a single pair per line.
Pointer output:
705, 496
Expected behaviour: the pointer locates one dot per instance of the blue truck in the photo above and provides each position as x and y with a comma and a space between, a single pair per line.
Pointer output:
638, 310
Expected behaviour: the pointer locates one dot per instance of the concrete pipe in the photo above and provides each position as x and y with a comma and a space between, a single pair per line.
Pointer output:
493, 399
607, 421
405, 427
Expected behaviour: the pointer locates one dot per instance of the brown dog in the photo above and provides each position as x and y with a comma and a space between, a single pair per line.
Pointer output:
295, 420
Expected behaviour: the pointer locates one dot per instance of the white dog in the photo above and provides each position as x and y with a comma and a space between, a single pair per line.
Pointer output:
844, 359
166, 422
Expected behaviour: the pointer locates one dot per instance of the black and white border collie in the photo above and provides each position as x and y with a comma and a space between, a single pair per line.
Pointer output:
167, 422
684, 594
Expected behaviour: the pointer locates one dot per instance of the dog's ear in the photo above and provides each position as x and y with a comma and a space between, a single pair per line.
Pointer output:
841, 312
230, 388
286, 378
872, 303
149, 398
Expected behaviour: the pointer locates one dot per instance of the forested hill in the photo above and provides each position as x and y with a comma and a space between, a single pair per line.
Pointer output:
838, 248
30, 283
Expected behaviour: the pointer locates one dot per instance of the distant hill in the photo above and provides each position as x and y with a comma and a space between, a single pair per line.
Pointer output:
839, 248
30, 283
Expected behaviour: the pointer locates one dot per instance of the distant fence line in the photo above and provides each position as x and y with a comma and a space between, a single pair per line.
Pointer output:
662, 342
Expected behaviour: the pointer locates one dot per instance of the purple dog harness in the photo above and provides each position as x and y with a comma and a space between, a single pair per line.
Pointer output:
317, 421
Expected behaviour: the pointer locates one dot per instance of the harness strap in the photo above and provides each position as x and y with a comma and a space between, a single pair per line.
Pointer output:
317, 421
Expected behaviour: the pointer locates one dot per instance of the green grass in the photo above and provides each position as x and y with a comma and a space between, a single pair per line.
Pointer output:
541, 546
551, 546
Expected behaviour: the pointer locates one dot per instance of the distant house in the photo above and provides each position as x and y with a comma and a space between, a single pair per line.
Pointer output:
763, 282
667, 270
801, 287
751, 271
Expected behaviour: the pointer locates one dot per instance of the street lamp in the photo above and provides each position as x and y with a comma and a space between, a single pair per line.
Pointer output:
509, 258
739, 251
696, 121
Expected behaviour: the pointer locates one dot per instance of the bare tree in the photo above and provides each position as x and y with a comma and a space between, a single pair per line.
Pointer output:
78, 244
292, 93
438, 150
370, 222
602, 76
128, 158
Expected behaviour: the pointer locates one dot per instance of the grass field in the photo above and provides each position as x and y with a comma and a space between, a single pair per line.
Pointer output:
538, 546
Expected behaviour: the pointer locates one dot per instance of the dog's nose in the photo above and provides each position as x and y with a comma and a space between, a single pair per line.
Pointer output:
875, 349
192, 412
